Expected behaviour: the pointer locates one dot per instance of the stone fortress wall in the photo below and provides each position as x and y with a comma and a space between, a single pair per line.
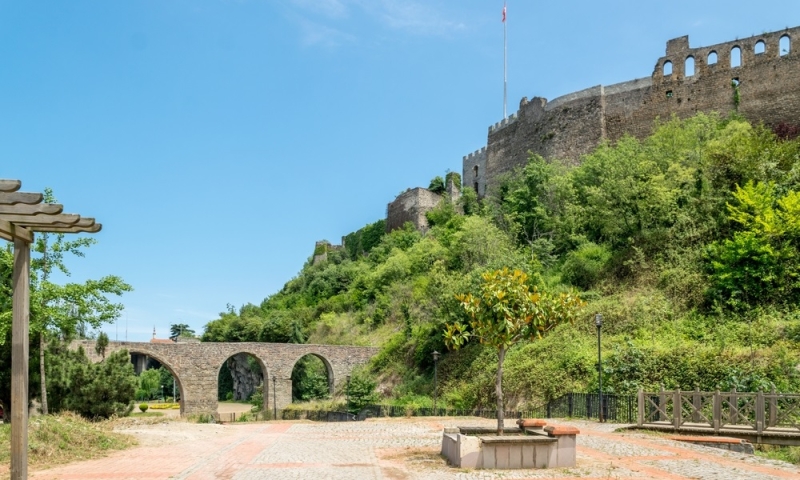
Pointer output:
411, 206
765, 69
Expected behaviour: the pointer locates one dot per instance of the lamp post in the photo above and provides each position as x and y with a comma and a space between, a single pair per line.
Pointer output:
598, 321
274, 399
163, 397
347, 392
435, 372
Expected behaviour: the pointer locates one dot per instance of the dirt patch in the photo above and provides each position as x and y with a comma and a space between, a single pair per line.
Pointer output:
401, 463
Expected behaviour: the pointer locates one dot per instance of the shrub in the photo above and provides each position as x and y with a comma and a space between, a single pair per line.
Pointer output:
584, 266
360, 391
143, 407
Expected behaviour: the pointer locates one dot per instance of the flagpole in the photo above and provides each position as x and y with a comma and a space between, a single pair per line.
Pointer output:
505, 62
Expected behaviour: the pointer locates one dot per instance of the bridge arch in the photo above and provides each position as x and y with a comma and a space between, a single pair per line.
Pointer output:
264, 370
329, 371
196, 366
170, 368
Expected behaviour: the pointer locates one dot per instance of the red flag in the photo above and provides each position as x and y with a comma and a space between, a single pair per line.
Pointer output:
504, 14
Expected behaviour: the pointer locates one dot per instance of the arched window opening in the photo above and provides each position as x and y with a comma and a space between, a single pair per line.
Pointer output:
475, 170
311, 379
736, 57
712, 58
689, 67
241, 379
667, 68
785, 45
761, 47
476, 188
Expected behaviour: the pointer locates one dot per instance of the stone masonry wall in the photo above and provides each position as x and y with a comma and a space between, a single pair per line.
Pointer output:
195, 366
473, 171
570, 126
410, 206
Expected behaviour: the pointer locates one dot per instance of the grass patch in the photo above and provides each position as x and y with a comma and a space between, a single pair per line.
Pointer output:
146, 414
326, 404
64, 438
779, 452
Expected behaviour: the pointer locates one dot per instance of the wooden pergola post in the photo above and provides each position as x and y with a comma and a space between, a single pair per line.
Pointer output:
22, 214
19, 359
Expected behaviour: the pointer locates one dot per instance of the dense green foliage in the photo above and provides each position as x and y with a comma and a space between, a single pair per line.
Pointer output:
309, 379
93, 390
56, 310
154, 384
686, 241
361, 242
360, 391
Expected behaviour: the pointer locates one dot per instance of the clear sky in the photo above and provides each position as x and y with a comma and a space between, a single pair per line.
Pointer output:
218, 140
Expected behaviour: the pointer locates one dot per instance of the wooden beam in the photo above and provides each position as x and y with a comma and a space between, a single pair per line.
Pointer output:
25, 209
9, 185
67, 229
19, 359
20, 197
9, 231
83, 222
32, 220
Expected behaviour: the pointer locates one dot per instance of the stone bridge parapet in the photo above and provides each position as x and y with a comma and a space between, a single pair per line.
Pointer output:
195, 366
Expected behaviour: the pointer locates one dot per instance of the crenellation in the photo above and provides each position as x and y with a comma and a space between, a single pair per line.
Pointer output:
572, 125
504, 122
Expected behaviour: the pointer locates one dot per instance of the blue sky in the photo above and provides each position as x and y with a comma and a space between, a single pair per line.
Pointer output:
218, 140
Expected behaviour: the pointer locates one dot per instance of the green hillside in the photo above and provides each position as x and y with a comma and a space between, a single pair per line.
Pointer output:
686, 242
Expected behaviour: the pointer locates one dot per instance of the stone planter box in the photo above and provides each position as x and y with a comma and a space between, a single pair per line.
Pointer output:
533, 445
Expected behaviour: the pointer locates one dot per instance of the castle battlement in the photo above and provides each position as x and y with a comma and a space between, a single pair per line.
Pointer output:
756, 76
504, 122
476, 153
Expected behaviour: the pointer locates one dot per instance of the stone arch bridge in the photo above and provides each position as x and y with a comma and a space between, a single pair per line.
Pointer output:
195, 366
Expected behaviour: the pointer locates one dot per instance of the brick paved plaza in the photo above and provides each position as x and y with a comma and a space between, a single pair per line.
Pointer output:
392, 449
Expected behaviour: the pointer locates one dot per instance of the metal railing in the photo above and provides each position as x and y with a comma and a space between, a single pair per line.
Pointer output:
616, 408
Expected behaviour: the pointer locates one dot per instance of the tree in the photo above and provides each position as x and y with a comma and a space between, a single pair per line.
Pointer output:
93, 390
180, 330
360, 391
101, 344
526, 205
58, 309
759, 264
505, 312
437, 185
149, 385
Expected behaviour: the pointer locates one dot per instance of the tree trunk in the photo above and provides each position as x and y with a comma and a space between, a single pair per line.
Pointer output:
498, 389
41, 373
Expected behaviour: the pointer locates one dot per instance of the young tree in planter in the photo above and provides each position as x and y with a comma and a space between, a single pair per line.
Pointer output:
505, 312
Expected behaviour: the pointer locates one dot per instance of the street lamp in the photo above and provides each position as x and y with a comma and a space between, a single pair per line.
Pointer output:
598, 321
163, 398
435, 368
347, 392
274, 399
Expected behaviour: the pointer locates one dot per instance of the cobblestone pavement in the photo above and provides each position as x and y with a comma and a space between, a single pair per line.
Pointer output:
395, 449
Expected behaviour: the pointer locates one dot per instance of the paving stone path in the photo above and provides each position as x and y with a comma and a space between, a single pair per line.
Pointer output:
395, 449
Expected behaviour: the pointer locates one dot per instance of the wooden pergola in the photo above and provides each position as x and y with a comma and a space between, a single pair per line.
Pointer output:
23, 214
